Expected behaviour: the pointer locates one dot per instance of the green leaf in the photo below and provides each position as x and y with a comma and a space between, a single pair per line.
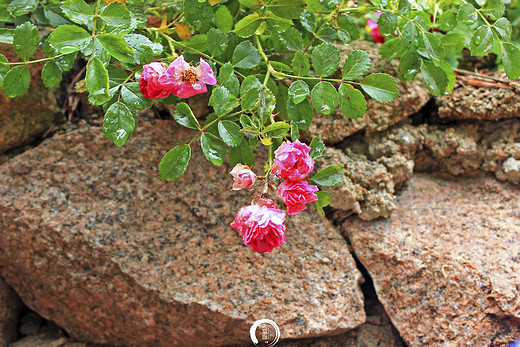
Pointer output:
213, 148
409, 66
347, 27
174, 163
387, 23
248, 83
69, 38
223, 19
51, 74
300, 64
276, 23
434, 77
117, 47
323, 200
291, 9
293, 38
25, 40
325, 59
404, 7
298, 91
450, 75
16, 82
453, 42
511, 59
329, 176
381, 87
356, 65
78, 11
133, 97
119, 123
267, 103
277, 129
222, 101
116, 14
243, 154
5, 15
228, 79
247, 26
352, 102
434, 47
6, 36
184, 116
448, 20
245, 56
391, 49
482, 41
467, 14
503, 28
493, 9
217, 42
97, 82
250, 97
300, 114
308, 21
230, 133
410, 34
21, 7
144, 49
317, 148
3, 67
324, 97
198, 13
251, 3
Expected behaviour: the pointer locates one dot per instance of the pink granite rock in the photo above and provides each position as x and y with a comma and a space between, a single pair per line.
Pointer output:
10, 306
94, 240
446, 264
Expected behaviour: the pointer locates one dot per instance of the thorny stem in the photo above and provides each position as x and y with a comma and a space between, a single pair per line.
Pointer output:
206, 126
32, 61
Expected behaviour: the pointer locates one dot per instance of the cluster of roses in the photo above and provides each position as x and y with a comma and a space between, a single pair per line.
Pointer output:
180, 78
261, 224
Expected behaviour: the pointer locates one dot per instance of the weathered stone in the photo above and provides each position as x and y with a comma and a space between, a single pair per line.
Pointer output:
23, 119
10, 306
412, 97
446, 264
94, 240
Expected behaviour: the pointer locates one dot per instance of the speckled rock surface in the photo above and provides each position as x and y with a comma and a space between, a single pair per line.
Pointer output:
94, 240
472, 102
10, 306
446, 264
413, 96
23, 119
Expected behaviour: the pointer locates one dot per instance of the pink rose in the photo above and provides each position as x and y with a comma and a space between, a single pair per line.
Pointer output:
261, 226
292, 161
244, 177
374, 31
149, 83
295, 194
186, 80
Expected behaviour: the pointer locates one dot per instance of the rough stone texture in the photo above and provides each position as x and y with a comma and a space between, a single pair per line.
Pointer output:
24, 118
10, 306
476, 102
412, 97
446, 264
94, 240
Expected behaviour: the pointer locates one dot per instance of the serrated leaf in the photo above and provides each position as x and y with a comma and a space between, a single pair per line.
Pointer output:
323, 201
144, 49
300, 114
97, 82
248, 83
228, 79
387, 23
410, 34
16, 82
391, 49
298, 91
349, 26
291, 9
324, 97
409, 66
434, 47
404, 7
69, 38
247, 26
251, 3
250, 97
183, 30
25, 40
78, 11
481, 41
448, 20
242, 154
511, 58
230, 132
450, 75
276, 23
352, 102
503, 28
223, 19
51, 74
245, 56
467, 14
380, 86
222, 101
453, 42
317, 148
213, 148
434, 77
300, 64
217, 42
6, 36
493, 9
356, 65
267, 103
184, 116
117, 47
119, 122
329, 176
293, 38
277, 129
133, 97
21, 7
3, 67
174, 163
5, 15
325, 59
308, 21
198, 13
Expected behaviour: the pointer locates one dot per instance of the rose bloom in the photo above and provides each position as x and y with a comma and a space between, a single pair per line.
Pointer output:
149, 83
261, 226
374, 31
244, 177
295, 194
292, 161
186, 80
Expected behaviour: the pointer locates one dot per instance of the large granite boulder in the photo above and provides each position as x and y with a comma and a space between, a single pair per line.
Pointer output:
10, 306
95, 241
446, 264
25, 118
